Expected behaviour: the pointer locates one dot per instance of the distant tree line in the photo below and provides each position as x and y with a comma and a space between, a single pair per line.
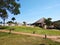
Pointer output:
56, 24
49, 23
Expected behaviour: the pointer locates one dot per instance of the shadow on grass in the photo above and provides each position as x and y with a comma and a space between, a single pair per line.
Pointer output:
41, 44
45, 44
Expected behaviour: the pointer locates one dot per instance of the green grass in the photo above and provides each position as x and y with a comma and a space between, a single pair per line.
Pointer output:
13, 39
36, 29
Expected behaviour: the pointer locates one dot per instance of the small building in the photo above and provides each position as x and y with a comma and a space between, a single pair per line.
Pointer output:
40, 22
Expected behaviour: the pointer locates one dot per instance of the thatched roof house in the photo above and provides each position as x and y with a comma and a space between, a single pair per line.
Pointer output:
39, 22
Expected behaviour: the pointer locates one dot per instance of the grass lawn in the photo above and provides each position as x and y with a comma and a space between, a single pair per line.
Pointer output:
36, 29
13, 39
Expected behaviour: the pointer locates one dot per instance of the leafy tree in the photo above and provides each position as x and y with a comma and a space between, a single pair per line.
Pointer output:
24, 23
9, 22
11, 28
57, 24
1, 22
48, 21
11, 5
3, 15
13, 18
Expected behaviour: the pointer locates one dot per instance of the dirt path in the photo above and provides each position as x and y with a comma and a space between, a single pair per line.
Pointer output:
54, 38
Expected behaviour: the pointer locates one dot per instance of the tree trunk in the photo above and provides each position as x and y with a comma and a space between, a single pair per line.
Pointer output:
3, 22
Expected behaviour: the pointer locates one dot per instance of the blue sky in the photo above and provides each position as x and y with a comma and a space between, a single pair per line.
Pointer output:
33, 10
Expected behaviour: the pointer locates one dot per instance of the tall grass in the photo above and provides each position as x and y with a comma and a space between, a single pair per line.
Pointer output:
13, 39
37, 30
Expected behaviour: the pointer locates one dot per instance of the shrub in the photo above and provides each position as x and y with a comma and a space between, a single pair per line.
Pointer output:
3, 27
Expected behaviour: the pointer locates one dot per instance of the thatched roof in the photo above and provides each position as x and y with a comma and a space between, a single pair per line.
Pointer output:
40, 20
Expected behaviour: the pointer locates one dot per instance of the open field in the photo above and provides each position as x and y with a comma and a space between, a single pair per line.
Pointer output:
13, 39
37, 30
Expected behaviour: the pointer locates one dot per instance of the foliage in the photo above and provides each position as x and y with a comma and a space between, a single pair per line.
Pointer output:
3, 15
24, 23
48, 21
10, 5
13, 18
56, 24
1, 22
3, 27
9, 22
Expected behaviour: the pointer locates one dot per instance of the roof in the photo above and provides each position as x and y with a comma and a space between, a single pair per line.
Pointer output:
40, 20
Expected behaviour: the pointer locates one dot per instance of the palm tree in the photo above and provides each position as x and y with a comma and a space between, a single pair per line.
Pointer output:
13, 18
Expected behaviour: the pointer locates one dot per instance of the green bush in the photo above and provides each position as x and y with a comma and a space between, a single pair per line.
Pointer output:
3, 27
57, 24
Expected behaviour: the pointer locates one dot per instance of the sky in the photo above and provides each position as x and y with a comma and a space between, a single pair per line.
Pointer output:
33, 10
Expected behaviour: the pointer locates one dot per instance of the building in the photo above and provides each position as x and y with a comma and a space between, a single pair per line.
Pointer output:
40, 22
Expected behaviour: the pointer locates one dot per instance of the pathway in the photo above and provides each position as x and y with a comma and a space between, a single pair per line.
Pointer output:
54, 38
